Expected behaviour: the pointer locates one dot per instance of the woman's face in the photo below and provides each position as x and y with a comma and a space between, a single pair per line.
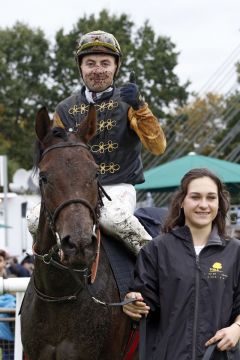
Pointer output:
201, 203
98, 71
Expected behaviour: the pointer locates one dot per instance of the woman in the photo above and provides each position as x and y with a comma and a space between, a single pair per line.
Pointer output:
187, 281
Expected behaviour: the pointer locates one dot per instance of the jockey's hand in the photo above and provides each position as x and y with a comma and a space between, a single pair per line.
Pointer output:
136, 309
227, 338
130, 94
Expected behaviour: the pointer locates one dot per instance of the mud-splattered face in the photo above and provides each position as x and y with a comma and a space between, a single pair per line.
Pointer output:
98, 71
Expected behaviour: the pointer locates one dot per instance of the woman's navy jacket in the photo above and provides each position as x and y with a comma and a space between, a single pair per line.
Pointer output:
191, 297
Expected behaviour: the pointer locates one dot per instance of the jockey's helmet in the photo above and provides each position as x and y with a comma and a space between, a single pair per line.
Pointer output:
98, 42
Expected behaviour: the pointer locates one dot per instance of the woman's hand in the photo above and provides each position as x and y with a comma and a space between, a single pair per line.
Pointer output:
136, 309
227, 338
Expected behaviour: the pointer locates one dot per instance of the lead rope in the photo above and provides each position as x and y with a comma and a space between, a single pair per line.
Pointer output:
142, 340
209, 352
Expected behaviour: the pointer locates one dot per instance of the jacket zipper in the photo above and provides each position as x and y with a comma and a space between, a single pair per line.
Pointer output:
195, 320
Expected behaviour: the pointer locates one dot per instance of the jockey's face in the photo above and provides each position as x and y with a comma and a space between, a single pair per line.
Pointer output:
98, 71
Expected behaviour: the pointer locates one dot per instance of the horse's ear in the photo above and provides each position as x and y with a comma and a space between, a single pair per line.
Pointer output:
42, 123
88, 127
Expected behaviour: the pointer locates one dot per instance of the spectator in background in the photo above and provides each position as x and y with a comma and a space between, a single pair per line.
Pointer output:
28, 263
6, 327
17, 269
7, 301
3, 268
238, 215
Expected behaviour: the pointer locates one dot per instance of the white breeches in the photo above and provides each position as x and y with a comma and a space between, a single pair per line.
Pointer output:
117, 217
121, 206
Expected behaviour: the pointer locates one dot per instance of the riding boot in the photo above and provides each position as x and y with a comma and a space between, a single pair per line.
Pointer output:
128, 230
33, 219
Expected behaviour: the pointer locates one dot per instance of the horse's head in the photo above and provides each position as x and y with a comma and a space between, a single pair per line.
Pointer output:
69, 190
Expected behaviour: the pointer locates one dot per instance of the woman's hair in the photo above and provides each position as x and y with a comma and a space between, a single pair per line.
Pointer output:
176, 215
3, 254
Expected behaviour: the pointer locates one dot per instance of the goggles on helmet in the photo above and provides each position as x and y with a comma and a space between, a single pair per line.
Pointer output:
98, 42
98, 38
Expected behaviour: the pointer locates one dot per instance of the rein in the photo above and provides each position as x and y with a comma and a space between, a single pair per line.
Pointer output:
48, 260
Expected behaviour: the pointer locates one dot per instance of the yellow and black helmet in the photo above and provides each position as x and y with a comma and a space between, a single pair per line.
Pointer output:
98, 42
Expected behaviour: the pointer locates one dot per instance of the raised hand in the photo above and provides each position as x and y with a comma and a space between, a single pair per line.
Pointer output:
130, 94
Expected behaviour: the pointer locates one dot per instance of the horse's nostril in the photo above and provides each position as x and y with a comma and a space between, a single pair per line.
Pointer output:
67, 243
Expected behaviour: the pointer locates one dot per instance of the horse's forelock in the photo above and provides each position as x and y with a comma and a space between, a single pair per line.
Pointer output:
59, 133
56, 132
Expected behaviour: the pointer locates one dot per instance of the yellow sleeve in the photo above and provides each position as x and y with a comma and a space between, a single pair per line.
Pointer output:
149, 130
57, 122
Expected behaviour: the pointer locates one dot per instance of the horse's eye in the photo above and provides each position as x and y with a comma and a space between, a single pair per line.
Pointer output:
42, 179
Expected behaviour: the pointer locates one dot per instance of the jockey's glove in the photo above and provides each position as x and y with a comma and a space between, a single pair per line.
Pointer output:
130, 94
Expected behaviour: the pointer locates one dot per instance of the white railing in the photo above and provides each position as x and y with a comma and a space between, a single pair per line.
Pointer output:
18, 286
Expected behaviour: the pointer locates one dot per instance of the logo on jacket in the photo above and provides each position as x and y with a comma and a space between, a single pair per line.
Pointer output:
216, 271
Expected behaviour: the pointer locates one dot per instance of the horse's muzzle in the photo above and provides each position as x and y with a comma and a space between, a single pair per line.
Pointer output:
79, 253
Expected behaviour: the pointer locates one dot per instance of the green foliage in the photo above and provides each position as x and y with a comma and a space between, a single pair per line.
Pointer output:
228, 139
24, 70
154, 59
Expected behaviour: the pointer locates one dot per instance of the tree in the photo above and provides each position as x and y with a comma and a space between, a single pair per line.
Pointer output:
227, 141
24, 74
198, 122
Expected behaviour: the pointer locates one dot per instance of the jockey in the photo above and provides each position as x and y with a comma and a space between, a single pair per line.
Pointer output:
124, 123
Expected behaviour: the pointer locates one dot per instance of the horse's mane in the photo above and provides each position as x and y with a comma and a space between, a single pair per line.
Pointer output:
56, 132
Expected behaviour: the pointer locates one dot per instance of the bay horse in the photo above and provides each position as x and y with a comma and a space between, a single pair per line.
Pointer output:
60, 318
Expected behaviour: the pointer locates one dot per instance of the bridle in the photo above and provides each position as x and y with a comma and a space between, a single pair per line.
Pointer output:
49, 258
52, 257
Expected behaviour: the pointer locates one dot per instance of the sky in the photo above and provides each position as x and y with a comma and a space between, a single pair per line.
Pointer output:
206, 32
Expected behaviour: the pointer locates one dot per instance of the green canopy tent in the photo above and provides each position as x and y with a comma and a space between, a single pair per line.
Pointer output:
167, 177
